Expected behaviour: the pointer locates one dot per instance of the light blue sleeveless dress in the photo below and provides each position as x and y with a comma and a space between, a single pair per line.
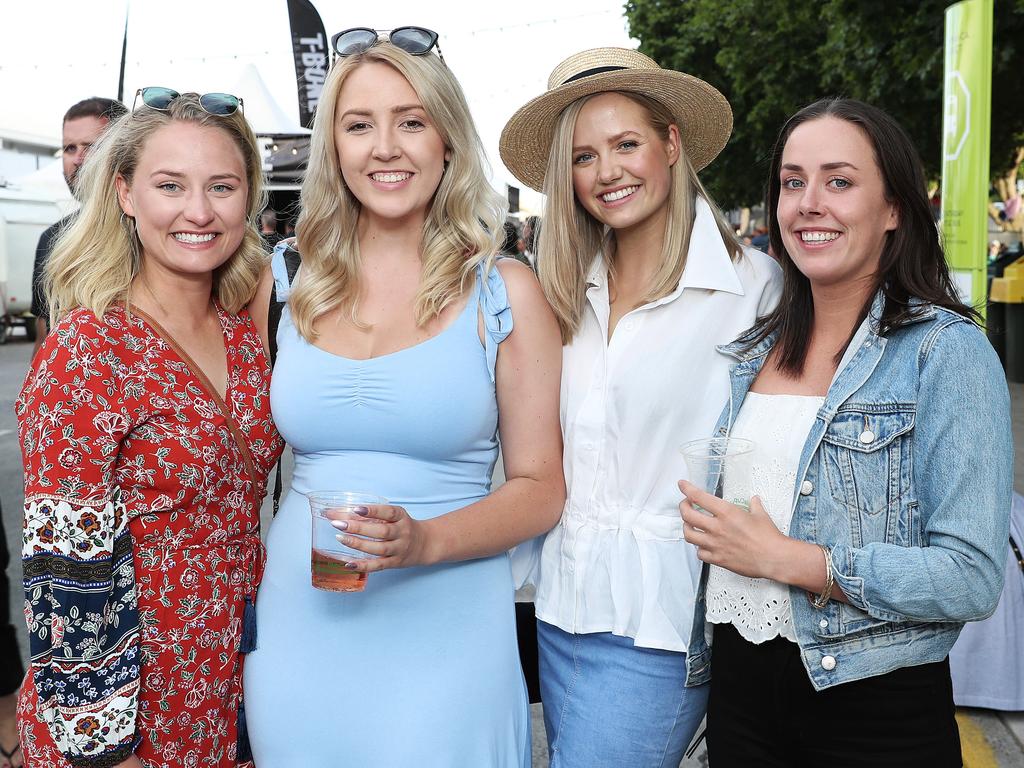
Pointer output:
421, 669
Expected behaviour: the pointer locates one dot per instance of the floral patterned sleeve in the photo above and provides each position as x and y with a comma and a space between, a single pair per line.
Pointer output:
80, 600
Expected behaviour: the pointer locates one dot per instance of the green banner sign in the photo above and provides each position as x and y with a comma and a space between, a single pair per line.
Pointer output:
966, 132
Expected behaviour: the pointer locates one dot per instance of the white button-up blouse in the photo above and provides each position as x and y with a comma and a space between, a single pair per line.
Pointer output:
617, 561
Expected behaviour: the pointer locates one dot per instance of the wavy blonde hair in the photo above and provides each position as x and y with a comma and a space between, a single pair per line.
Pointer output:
570, 237
98, 255
464, 223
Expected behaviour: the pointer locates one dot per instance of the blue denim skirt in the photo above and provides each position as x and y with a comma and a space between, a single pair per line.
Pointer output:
610, 703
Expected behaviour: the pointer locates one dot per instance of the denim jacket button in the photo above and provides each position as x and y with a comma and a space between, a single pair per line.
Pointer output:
824, 625
867, 436
806, 488
828, 663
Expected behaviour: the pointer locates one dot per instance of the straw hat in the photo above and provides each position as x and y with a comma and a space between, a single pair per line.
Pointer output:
701, 111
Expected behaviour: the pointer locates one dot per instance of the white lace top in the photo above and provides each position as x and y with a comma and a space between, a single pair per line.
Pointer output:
778, 426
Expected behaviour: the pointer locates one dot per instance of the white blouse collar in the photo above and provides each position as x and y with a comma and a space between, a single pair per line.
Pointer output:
708, 265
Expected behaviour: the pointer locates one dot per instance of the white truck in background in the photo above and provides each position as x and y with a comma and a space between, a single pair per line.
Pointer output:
24, 214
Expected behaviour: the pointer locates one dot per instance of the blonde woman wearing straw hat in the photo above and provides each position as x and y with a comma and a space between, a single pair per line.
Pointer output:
645, 278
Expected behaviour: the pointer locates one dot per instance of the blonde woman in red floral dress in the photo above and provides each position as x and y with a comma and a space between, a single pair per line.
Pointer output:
147, 438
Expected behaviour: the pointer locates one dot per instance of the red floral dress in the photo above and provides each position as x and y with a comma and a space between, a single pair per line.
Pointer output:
141, 541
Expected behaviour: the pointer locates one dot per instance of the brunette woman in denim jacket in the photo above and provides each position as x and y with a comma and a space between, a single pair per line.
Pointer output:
882, 472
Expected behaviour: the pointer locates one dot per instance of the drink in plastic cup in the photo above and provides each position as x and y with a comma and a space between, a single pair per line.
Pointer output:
328, 555
722, 467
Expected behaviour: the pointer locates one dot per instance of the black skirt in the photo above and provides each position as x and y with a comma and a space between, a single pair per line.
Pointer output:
763, 711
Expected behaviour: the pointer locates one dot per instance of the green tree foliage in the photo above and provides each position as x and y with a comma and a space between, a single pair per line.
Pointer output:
772, 57
1007, 85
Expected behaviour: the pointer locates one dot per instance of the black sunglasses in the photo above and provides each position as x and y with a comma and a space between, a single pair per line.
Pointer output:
222, 104
414, 40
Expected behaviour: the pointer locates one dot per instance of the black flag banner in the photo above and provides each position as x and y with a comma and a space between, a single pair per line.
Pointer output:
309, 45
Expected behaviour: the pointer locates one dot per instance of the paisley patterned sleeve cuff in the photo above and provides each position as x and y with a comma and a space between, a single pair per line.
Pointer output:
497, 312
106, 759
83, 622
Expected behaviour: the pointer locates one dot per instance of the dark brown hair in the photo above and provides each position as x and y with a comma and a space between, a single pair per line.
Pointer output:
98, 107
912, 264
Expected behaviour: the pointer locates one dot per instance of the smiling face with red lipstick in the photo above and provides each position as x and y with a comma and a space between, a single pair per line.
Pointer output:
833, 210
188, 197
621, 166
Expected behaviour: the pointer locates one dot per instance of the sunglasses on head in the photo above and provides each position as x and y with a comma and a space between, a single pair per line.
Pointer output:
414, 40
222, 104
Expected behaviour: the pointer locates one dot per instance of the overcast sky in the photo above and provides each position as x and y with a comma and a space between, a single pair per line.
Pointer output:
55, 52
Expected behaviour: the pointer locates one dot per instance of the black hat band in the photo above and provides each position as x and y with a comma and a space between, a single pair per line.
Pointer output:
591, 72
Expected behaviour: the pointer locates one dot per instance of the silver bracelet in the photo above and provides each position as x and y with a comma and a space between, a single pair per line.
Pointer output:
826, 592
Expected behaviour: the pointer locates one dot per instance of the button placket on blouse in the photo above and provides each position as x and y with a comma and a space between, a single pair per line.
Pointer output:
589, 428
592, 420
588, 442
614, 350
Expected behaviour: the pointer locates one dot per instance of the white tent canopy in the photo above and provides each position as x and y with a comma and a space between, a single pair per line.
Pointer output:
48, 184
261, 108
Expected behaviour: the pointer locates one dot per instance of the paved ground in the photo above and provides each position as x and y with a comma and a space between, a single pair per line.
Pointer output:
990, 739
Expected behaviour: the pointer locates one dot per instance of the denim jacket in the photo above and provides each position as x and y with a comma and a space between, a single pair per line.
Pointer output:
907, 477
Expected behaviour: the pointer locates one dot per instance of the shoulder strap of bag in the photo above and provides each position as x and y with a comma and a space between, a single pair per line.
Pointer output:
1017, 554
292, 260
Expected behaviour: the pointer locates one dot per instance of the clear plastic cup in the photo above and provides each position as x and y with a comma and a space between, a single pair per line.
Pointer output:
328, 556
722, 467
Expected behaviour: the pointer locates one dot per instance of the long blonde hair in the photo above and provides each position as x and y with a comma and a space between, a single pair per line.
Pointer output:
570, 237
98, 255
464, 223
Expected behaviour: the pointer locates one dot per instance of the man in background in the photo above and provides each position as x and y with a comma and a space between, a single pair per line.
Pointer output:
268, 228
83, 124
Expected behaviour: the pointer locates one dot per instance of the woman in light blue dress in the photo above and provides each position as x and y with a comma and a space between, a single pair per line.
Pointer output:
400, 344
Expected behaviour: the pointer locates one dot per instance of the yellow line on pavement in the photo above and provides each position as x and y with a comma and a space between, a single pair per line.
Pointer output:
975, 747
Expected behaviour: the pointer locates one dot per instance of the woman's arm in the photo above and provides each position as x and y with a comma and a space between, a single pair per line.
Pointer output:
528, 377
962, 453
79, 576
